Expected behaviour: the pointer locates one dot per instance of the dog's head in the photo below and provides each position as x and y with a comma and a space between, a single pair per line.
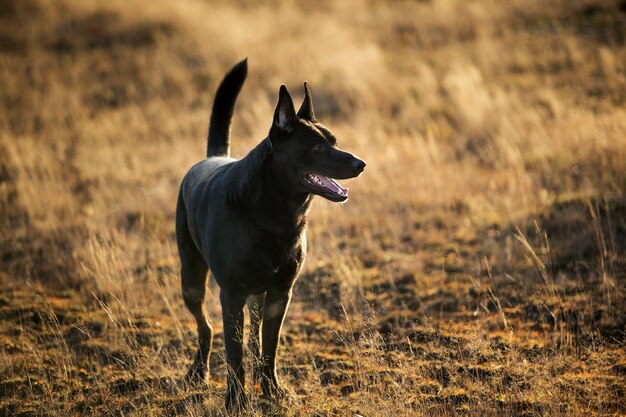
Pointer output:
306, 151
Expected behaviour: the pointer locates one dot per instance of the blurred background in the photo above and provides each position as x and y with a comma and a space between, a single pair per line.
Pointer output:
477, 269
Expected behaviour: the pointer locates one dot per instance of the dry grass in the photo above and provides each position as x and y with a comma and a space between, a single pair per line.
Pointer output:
478, 268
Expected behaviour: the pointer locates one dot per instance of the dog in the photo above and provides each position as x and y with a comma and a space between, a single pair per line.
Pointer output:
245, 220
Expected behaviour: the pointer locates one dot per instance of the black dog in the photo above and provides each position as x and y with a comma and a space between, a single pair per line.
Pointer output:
246, 221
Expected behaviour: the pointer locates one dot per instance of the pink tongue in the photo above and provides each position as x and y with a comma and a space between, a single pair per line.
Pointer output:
333, 185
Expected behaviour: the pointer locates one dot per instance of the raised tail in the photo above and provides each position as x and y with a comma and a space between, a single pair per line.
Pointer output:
222, 112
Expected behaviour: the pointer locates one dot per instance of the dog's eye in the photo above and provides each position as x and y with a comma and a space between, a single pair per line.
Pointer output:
318, 147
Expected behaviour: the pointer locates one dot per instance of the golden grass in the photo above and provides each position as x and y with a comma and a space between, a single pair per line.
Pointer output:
476, 270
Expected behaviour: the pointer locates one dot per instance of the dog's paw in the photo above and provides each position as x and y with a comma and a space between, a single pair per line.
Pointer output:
237, 403
276, 392
280, 403
195, 376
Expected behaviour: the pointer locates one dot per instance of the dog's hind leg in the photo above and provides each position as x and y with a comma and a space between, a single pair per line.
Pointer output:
194, 281
194, 276
255, 308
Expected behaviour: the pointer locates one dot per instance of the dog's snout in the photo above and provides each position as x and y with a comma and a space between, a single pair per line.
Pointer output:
358, 164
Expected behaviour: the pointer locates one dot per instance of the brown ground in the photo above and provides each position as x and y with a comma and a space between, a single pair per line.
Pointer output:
478, 268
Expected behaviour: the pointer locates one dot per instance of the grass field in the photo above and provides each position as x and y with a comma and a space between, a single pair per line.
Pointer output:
478, 268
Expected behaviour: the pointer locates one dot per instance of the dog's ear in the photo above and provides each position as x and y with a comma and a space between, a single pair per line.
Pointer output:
285, 117
306, 109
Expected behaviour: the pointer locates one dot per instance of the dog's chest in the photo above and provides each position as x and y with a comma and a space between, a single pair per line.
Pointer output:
250, 258
282, 256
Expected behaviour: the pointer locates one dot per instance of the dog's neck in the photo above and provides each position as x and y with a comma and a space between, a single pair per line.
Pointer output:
264, 195
283, 210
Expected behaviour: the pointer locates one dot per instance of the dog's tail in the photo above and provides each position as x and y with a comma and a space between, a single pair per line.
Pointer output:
223, 106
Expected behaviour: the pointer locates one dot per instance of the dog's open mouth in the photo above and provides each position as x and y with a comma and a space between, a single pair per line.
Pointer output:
326, 187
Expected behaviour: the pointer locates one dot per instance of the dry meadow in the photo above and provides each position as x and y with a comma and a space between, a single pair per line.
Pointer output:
478, 268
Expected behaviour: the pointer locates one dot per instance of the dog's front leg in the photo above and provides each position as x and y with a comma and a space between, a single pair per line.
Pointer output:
255, 306
276, 304
232, 314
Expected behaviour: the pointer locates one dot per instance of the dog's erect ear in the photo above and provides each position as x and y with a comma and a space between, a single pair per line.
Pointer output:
285, 117
306, 109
